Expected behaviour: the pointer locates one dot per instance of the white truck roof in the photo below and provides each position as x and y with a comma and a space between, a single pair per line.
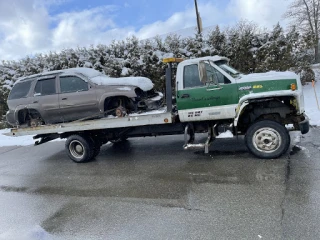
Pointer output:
212, 58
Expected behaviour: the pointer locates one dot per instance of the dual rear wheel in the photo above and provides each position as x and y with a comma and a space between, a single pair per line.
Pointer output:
82, 149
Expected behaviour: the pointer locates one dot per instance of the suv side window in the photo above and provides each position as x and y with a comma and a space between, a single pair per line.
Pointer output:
20, 90
72, 84
45, 87
191, 76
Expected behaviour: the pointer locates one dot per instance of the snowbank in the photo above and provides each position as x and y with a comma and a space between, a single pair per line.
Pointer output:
226, 134
14, 141
17, 141
27, 233
310, 102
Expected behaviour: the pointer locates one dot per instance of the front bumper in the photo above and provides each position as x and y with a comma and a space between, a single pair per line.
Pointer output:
304, 125
152, 103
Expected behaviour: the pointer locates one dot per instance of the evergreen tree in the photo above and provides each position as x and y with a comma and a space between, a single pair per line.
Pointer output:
275, 53
196, 46
217, 42
239, 47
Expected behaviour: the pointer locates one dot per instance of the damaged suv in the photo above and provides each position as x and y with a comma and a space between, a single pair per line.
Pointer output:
77, 94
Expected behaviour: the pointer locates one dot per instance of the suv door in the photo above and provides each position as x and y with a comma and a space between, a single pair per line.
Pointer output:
45, 99
215, 99
77, 98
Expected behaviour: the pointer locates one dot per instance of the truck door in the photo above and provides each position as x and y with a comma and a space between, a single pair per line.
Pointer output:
216, 98
76, 98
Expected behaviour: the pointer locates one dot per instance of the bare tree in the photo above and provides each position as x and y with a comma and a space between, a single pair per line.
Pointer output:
305, 15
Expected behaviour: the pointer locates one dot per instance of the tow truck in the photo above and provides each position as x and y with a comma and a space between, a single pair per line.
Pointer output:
209, 96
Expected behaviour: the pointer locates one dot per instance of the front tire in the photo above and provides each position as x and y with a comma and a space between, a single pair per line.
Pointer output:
267, 139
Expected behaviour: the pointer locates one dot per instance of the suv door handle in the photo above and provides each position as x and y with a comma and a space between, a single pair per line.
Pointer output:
64, 98
35, 102
185, 96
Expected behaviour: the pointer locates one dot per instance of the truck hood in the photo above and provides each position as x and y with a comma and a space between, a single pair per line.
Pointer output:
245, 80
272, 75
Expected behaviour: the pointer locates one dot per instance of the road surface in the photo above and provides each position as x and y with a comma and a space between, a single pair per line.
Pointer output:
150, 188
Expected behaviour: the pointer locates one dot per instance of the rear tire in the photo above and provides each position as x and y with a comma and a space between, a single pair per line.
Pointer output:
96, 147
96, 151
80, 149
267, 139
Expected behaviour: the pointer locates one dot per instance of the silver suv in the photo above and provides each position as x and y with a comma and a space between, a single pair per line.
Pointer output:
77, 93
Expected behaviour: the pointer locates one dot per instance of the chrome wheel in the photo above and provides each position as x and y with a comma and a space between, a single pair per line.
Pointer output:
267, 140
80, 148
76, 148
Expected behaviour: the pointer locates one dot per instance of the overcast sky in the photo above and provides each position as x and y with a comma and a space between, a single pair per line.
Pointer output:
28, 27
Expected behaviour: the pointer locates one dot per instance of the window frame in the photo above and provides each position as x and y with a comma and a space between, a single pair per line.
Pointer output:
222, 72
54, 78
184, 82
27, 93
72, 75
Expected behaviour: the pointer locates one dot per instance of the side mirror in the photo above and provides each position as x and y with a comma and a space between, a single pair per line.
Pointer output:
202, 72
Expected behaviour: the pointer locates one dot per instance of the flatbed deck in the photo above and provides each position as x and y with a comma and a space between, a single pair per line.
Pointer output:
132, 120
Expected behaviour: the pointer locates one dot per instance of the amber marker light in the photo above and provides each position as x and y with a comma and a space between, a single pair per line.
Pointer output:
172, 60
166, 120
293, 86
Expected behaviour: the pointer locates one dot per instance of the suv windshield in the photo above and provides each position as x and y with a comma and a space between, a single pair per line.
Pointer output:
20, 90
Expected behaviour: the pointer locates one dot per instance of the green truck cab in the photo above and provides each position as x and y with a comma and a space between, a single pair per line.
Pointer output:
260, 106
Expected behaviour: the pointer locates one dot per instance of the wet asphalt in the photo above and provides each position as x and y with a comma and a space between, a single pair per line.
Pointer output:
150, 188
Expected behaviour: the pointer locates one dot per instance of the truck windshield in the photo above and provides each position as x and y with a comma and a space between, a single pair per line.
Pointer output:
228, 69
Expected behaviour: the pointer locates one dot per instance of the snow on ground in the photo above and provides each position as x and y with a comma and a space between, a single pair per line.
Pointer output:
14, 141
226, 134
26, 233
310, 102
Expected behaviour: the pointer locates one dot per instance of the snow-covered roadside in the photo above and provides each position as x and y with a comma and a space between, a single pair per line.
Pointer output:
310, 102
16, 141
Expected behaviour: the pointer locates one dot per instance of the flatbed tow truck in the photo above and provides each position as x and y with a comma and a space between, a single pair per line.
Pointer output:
210, 97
